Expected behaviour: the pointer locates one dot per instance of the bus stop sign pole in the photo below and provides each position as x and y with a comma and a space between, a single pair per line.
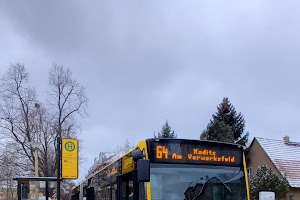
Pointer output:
58, 167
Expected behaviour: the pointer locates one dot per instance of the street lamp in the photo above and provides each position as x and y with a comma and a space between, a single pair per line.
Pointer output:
35, 146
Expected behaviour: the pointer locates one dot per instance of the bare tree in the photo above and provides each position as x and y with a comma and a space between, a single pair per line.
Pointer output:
124, 148
10, 166
67, 98
17, 110
46, 136
66, 188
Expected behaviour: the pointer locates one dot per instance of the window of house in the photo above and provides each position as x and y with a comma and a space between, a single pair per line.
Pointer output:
249, 172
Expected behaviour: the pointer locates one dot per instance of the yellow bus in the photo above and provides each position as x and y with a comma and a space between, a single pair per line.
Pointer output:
171, 169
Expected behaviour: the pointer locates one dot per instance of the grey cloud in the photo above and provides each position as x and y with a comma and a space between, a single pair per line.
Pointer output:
146, 62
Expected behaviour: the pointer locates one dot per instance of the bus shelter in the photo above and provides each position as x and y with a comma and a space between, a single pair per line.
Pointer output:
35, 188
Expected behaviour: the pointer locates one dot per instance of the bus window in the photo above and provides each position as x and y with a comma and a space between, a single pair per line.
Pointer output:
130, 190
114, 192
103, 194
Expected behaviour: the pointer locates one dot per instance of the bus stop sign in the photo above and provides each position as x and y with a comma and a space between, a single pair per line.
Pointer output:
69, 159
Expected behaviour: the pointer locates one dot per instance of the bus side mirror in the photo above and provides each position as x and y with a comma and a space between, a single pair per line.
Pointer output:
143, 170
137, 154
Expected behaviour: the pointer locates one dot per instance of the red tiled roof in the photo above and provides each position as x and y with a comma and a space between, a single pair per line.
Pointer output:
285, 156
291, 169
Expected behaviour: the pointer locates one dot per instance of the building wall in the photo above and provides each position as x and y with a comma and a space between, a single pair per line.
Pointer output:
295, 192
256, 157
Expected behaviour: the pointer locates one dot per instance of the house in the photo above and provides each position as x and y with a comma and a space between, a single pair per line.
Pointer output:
282, 156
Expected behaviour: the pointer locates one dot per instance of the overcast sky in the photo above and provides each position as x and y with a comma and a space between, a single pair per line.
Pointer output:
145, 62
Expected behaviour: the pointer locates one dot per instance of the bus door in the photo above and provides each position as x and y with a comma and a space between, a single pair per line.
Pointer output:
90, 193
127, 188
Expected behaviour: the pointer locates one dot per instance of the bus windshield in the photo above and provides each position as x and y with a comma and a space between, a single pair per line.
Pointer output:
194, 182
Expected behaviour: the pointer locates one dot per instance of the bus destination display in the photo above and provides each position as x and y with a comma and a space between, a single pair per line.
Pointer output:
197, 153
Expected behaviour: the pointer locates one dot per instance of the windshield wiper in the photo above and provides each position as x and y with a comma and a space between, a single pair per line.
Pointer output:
189, 191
